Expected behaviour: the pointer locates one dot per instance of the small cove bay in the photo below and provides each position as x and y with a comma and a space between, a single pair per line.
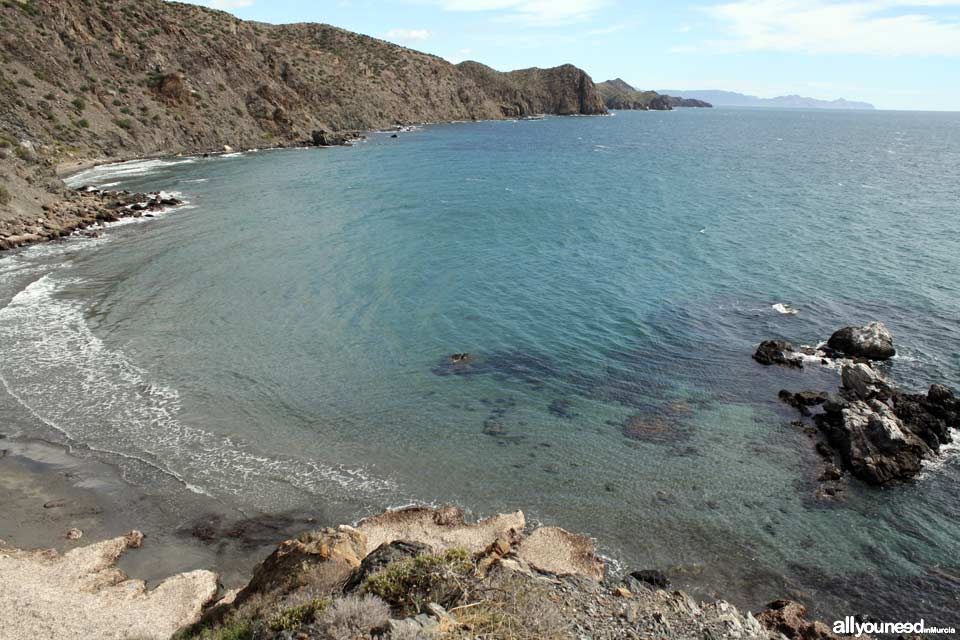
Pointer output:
283, 342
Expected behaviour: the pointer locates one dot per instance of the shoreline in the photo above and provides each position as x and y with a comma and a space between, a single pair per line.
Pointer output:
506, 552
55, 498
55, 211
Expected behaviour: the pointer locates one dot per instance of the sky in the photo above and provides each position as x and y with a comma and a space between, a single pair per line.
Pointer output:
896, 54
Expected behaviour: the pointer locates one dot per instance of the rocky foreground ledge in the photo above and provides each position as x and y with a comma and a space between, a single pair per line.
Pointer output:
415, 573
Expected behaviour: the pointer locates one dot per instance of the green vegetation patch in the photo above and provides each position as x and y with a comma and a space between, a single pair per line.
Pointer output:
408, 584
295, 617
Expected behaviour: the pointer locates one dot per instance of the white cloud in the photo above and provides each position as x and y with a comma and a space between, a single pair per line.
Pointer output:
871, 27
544, 12
408, 35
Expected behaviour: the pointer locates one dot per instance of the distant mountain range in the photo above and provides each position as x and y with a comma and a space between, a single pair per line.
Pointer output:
733, 99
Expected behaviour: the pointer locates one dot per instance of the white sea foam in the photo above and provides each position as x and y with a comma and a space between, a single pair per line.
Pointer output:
948, 453
103, 173
60, 371
785, 309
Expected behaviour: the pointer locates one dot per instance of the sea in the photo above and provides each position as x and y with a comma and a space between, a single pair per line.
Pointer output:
282, 342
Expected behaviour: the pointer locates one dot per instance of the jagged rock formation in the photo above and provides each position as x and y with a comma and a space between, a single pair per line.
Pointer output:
617, 94
881, 433
80, 594
877, 432
117, 79
564, 90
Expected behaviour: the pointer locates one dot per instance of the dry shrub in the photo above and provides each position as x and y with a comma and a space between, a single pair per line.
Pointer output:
512, 608
353, 617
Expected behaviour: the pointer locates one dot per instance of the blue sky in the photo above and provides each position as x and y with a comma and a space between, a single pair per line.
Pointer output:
897, 54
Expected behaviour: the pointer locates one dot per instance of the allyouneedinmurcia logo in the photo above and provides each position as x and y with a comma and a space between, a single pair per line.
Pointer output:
849, 626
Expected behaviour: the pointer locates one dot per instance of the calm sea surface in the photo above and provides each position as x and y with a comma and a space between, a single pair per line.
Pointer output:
282, 342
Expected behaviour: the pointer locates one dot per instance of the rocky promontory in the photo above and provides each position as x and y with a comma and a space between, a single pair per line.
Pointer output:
618, 94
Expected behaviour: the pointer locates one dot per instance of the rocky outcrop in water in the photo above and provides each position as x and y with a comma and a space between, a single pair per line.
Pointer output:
872, 341
882, 434
778, 352
875, 431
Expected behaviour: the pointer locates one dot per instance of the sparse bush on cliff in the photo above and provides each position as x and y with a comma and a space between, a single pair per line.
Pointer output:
409, 584
511, 607
355, 617
4, 196
231, 629
295, 617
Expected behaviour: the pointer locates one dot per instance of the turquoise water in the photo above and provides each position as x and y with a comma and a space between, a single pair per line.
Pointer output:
282, 342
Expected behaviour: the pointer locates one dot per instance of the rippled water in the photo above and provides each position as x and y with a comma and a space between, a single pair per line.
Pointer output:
282, 342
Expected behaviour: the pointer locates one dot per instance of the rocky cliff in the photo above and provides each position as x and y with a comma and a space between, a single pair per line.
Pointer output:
111, 79
564, 90
618, 94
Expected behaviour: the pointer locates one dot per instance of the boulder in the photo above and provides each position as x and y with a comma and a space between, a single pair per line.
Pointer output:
651, 577
778, 352
788, 618
383, 556
321, 561
862, 382
557, 551
872, 341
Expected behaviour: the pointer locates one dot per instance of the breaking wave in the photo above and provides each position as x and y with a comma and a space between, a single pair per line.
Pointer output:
63, 374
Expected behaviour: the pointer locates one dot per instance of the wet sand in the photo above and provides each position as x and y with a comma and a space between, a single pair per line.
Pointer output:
45, 492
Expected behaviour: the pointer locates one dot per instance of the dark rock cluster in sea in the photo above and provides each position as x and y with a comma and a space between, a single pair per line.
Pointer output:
869, 342
870, 428
882, 434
